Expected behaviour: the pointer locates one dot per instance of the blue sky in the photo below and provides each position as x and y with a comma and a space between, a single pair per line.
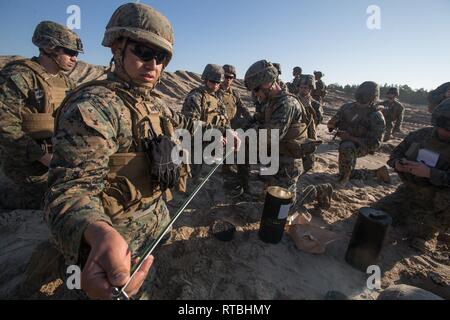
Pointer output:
331, 36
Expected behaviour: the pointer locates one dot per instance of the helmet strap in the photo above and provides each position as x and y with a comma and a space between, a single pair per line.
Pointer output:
53, 56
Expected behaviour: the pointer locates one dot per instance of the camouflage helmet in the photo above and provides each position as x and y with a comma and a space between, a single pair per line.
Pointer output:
367, 92
441, 115
260, 73
229, 69
435, 97
140, 23
213, 72
297, 70
278, 66
318, 74
308, 80
393, 91
50, 35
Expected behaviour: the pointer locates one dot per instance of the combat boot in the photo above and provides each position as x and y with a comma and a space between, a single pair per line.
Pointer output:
324, 196
383, 174
342, 180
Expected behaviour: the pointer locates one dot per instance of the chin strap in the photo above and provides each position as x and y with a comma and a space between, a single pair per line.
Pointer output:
53, 56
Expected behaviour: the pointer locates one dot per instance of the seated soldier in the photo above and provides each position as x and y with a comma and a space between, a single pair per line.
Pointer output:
422, 202
361, 127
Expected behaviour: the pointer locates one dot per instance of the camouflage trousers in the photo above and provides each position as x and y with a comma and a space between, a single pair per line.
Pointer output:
389, 130
26, 196
423, 212
308, 162
318, 99
47, 267
322, 193
142, 230
349, 152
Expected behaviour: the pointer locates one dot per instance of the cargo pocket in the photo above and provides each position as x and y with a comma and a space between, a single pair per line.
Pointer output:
121, 199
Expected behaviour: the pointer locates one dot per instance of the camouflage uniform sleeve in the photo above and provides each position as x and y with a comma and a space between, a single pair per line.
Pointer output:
71, 83
400, 151
375, 135
399, 116
337, 118
439, 178
282, 116
319, 110
181, 121
87, 135
224, 121
14, 90
242, 111
192, 106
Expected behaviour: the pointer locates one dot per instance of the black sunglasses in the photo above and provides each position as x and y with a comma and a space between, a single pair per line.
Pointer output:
69, 52
443, 123
146, 53
229, 77
215, 82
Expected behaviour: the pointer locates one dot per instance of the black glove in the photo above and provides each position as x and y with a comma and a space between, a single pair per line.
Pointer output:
162, 168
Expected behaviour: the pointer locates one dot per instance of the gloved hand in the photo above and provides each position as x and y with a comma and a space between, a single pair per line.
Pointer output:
162, 167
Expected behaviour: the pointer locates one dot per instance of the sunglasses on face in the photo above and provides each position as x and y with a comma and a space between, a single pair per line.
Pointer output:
229, 77
69, 52
147, 54
215, 82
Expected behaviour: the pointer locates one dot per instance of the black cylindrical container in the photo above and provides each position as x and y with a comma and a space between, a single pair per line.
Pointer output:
368, 238
276, 210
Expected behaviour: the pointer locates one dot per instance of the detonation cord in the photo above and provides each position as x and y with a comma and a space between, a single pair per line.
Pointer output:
119, 293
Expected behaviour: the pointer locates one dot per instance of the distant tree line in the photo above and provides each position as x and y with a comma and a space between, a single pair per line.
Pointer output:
407, 94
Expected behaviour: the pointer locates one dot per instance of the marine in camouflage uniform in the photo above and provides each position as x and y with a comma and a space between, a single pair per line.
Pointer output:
320, 92
284, 112
239, 117
293, 86
204, 103
236, 111
435, 97
99, 174
30, 91
422, 202
393, 111
360, 126
314, 111
283, 85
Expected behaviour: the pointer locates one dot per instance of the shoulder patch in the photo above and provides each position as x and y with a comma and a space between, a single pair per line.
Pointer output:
96, 120
24, 81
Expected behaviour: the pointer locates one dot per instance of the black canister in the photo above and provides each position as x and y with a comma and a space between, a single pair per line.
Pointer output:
368, 238
276, 210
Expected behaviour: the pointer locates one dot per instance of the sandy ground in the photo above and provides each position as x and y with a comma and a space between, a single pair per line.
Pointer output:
193, 264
